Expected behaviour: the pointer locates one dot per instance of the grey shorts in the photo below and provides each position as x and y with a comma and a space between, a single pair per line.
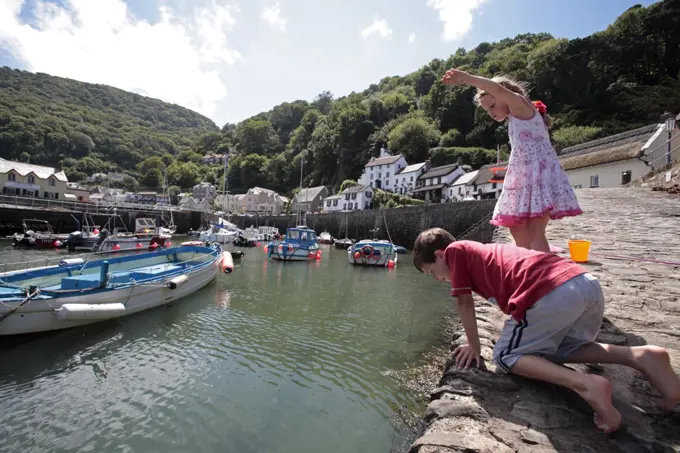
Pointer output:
558, 324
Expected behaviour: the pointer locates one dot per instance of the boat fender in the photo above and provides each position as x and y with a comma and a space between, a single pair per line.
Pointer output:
74, 312
227, 263
367, 250
71, 261
177, 281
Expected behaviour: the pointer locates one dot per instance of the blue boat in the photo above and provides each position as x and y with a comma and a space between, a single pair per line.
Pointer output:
299, 245
77, 291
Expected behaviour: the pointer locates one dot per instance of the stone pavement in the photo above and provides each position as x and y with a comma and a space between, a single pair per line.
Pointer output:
482, 411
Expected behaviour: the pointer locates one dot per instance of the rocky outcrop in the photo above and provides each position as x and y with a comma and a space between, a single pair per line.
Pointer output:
633, 231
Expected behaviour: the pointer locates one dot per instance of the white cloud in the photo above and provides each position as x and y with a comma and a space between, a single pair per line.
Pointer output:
101, 42
411, 38
456, 15
272, 15
378, 27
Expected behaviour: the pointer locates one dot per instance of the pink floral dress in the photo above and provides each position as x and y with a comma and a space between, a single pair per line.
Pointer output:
535, 183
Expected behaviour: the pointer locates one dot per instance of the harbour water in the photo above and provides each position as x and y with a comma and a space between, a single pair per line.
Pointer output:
277, 357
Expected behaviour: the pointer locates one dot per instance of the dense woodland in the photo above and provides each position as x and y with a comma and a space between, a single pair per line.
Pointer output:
611, 81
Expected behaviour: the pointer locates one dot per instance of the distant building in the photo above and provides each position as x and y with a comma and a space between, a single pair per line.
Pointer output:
309, 199
357, 198
261, 202
28, 180
462, 187
79, 192
433, 185
406, 178
482, 186
150, 198
619, 159
381, 172
204, 190
228, 203
214, 159
332, 203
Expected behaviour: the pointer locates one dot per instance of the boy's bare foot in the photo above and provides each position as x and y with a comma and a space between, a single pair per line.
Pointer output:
597, 391
654, 363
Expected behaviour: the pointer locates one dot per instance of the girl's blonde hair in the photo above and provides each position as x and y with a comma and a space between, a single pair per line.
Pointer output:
520, 88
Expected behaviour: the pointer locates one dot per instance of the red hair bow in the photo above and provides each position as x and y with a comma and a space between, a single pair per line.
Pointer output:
541, 107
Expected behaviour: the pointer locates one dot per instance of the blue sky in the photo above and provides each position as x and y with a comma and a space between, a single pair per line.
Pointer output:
233, 59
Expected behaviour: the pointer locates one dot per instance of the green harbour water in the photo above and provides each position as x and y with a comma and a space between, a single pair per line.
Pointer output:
276, 357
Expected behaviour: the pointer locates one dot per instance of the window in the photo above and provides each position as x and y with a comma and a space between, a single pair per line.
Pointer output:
387, 182
344, 206
31, 179
346, 196
460, 190
595, 181
335, 202
356, 205
387, 174
379, 175
626, 176
493, 186
46, 195
12, 176
371, 175
328, 203
368, 194
439, 180
52, 182
411, 178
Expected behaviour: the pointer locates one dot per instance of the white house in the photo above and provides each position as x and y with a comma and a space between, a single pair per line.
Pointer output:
619, 159
261, 201
433, 185
228, 203
462, 187
407, 177
332, 203
357, 198
381, 172
483, 185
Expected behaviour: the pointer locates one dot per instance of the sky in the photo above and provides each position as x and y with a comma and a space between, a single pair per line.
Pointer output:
231, 59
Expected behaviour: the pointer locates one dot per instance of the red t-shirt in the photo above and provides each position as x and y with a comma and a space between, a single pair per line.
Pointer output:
515, 277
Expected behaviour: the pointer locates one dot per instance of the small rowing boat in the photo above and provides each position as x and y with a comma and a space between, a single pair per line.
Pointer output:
76, 292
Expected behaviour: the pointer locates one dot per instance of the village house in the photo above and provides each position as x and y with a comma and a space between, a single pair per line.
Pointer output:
150, 198
484, 186
462, 187
259, 201
28, 180
77, 192
357, 198
406, 177
381, 172
309, 199
619, 159
214, 159
332, 203
432, 186
228, 203
204, 190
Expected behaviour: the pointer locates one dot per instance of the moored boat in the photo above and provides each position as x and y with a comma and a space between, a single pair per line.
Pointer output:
298, 245
76, 292
38, 233
373, 253
343, 244
325, 238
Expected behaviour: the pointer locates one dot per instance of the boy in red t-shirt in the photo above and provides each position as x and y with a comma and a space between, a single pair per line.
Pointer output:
556, 310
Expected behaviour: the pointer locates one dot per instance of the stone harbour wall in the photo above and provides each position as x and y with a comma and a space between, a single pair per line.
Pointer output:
403, 224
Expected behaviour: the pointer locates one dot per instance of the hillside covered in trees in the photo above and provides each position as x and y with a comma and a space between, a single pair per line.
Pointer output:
616, 79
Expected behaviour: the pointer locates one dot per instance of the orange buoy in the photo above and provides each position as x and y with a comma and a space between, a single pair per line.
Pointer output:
116, 247
318, 255
95, 231
266, 249
227, 263
357, 255
154, 245
391, 264
139, 245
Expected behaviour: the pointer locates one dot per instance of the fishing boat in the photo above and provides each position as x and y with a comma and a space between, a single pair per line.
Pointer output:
112, 237
219, 234
343, 244
373, 253
38, 233
299, 245
325, 238
76, 292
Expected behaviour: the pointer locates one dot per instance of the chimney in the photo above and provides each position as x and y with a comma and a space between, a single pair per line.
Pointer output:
460, 161
428, 164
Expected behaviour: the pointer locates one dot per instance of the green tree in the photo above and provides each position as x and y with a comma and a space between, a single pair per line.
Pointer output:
413, 138
257, 137
151, 172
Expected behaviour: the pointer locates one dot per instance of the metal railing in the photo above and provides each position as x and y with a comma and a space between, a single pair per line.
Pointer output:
90, 208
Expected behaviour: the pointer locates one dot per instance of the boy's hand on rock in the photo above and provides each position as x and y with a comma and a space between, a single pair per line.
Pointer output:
465, 355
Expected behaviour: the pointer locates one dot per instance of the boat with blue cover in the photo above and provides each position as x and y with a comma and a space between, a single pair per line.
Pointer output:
300, 244
76, 292
373, 253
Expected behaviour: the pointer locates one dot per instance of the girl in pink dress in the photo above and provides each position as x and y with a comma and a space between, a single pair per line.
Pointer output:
536, 188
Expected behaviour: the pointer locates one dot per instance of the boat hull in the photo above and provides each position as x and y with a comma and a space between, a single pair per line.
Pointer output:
387, 254
40, 315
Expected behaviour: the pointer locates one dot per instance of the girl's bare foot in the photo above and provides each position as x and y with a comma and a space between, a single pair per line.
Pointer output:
597, 391
654, 363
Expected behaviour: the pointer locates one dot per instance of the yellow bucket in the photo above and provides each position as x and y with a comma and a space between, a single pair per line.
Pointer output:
579, 250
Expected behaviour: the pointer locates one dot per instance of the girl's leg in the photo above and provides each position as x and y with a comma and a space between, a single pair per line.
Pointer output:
536, 233
520, 233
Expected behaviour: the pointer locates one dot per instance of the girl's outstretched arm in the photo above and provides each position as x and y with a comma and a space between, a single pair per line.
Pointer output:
519, 105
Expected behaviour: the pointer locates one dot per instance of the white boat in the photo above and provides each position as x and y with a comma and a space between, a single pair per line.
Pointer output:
298, 245
325, 238
76, 292
219, 235
373, 253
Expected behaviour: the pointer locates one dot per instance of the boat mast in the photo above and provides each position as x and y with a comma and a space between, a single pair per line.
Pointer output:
302, 166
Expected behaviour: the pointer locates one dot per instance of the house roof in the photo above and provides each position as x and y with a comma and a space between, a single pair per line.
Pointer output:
383, 160
439, 171
410, 168
333, 197
428, 188
24, 169
70, 196
466, 179
355, 189
96, 196
627, 145
284, 199
484, 174
309, 194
